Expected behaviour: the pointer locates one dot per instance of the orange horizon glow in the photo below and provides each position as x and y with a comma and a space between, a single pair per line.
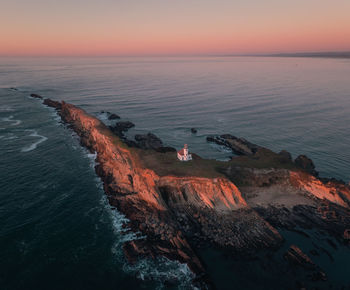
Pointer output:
155, 27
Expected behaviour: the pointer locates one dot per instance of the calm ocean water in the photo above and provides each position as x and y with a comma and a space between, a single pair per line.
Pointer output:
56, 228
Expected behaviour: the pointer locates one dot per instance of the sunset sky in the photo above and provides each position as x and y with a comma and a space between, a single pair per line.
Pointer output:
172, 27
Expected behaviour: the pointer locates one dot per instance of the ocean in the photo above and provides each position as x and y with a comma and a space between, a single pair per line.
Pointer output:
57, 230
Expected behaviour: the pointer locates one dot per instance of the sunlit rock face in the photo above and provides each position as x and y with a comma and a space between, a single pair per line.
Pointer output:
332, 191
177, 214
169, 210
218, 193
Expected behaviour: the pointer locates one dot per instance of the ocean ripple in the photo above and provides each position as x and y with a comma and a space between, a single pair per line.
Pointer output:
35, 144
10, 119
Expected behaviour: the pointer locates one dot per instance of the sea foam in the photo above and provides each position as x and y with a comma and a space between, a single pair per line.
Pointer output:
35, 144
10, 119
160, 269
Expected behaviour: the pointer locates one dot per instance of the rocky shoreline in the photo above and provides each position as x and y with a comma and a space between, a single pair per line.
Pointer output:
177, 215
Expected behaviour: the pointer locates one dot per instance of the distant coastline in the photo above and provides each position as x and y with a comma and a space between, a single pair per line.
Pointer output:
340, 54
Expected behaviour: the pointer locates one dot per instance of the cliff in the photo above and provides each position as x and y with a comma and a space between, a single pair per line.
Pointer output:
179, 213
172, 212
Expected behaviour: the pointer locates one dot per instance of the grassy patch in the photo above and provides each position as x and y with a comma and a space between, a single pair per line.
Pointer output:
168, 164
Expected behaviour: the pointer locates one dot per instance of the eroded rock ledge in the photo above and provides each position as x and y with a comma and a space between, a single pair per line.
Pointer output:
178, 214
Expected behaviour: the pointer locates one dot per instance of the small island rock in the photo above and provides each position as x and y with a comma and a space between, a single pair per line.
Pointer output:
306, 163
113, 117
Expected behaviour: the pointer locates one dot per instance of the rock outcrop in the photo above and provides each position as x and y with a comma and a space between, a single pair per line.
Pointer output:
113, 116
174, 213
296, 257
36, 96
307, 164
120, 127
178, 214
239, 146
332, 191
148, 141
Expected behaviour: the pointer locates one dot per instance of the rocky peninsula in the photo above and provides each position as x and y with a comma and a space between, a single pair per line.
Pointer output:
240, 205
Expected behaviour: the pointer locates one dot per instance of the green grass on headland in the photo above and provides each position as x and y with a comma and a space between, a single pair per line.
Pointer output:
168, 164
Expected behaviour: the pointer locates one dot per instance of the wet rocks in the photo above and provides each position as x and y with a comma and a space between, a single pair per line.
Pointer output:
124, 126
286, 155
121, 127
165, 149
297, 257
112, 116
307, 164
193, 130
310, 217
35, 96
53, 104
239, 146
148, 141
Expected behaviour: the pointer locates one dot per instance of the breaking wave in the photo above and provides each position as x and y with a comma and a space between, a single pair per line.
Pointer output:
161, 270
10, 119
35, 144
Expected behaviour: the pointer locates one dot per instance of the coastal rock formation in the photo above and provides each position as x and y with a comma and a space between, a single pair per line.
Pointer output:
335, 192
306, 163
286, 155
296, 256
53, 104
113, 116
238, 146
148, 141
36, 96
238, 210
121, 127
173, 213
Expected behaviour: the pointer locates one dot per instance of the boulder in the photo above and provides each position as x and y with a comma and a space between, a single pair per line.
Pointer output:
239, 146
113, 116
306, 163
285, 155
193, 130
122, 126
296, 256
53, 104
36, 96
165, 149
148, 141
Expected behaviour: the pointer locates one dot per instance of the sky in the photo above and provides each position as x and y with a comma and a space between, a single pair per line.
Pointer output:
172, 27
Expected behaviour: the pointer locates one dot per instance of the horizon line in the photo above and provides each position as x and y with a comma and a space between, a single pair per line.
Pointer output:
330, 54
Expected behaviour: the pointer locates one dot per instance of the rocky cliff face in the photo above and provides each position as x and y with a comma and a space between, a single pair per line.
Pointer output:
174, 213
178, 214
332, 191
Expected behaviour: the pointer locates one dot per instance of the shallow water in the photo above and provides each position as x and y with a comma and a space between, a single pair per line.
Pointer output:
56, 228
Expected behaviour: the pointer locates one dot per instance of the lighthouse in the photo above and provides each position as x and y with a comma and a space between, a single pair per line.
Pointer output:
183, 154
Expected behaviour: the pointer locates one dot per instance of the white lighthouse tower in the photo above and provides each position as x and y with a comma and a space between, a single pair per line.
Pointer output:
183, 154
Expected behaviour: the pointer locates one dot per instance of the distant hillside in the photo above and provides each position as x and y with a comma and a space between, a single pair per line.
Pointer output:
342, 54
